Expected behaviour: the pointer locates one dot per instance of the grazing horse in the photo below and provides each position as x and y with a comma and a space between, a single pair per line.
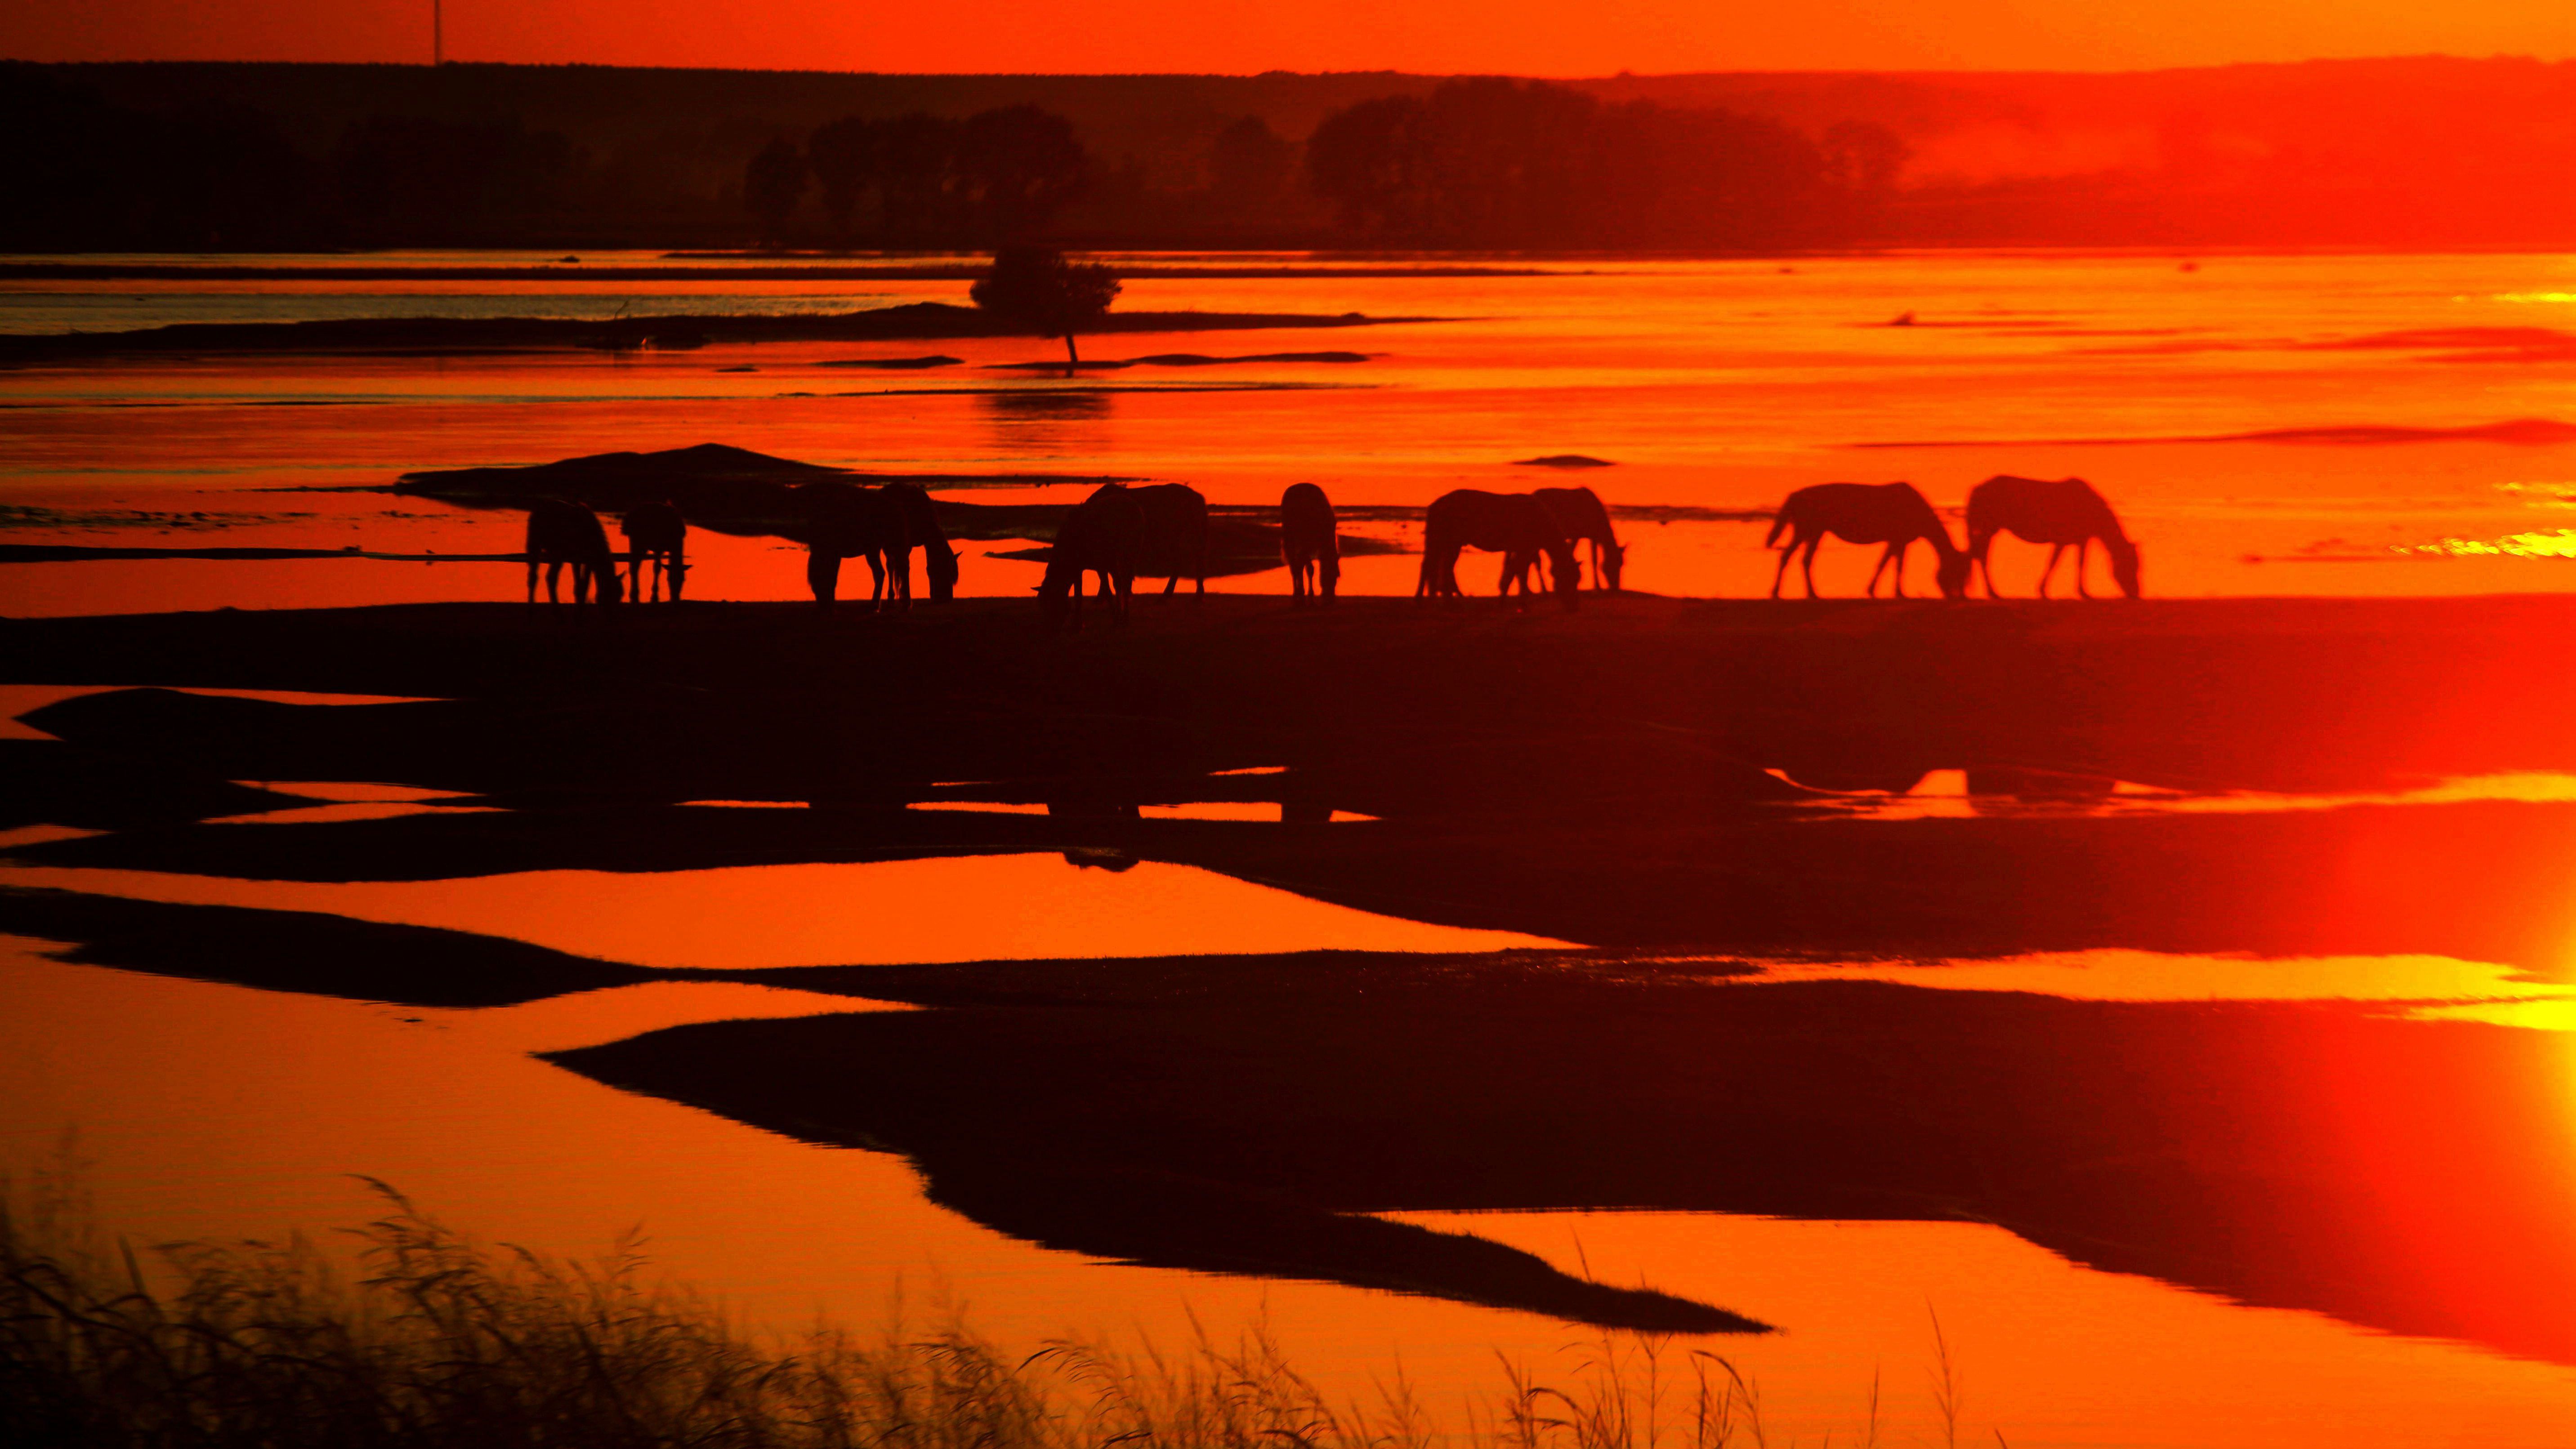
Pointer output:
1889, 513
1515, 525
1309, 541
1100, 535
1579, 512
842, 520
2064, 512
655, 531
921, 524
561, 533
1175, 538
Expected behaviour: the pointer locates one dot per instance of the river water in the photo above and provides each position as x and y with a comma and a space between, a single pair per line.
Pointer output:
1710, 388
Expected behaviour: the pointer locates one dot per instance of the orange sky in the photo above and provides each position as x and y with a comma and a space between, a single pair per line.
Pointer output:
1439, 36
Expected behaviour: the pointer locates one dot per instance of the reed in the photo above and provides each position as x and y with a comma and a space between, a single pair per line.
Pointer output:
435, 1341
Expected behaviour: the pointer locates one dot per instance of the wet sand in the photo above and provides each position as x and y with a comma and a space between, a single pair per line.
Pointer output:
1634, 775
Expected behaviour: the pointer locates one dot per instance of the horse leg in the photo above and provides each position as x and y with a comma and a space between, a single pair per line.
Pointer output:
2083, 557
2055, 552
1900, 549
1807, 565
1173, 583
1884, 555
1782, 571
1985, 551
823, 574
532, 578
554, 581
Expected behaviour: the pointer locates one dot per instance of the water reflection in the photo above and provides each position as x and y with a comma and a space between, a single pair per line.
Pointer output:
1013, 906
1048, 420
2011, 790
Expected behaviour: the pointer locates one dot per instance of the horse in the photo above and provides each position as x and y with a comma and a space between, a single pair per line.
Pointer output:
1579, 512
655, 531
1889, 513
1309, 541
842, 521
561, 533
1175, 536
921, 524
2058, 513
1516, 525
1100, 535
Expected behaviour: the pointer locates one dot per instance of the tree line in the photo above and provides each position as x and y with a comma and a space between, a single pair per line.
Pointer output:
1470, 163
1493, 162
224, 175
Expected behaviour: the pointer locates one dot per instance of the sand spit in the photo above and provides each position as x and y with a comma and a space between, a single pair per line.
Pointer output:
438, 335
2527, 432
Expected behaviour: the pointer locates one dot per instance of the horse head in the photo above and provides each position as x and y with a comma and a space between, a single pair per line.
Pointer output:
1614, 559
2124, 564
1328, 572
1952, 575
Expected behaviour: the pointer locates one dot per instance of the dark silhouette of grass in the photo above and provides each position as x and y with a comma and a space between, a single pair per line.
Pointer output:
438, 1341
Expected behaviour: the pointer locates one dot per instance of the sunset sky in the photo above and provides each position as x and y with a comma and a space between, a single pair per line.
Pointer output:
1438, 36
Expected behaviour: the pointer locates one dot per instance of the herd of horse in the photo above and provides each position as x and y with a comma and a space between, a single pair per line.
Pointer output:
1161, 531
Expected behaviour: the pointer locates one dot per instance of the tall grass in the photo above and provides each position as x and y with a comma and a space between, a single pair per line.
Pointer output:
436, 1341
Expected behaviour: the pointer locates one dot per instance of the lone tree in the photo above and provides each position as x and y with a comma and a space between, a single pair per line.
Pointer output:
1037, 288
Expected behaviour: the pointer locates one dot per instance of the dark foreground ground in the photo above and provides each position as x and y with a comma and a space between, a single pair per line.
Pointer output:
1598, 777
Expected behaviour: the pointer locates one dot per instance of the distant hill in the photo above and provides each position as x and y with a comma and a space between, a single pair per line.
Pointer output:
2420, 151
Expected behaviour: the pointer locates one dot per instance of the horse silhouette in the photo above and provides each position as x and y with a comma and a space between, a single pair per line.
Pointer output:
2058, 513
1175, 537
1515, 525
1579, 512
1889, 513
842, 520
655, 531
561, 533
1309, 541
921, 524
1100, 535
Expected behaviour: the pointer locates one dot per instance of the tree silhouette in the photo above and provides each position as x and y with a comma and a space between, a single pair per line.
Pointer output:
1037, 288
845, 157
1019, 166
1248, 164
772, 185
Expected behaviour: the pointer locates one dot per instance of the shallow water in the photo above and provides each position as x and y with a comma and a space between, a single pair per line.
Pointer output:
972, 908
211, 1109
1710, 385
